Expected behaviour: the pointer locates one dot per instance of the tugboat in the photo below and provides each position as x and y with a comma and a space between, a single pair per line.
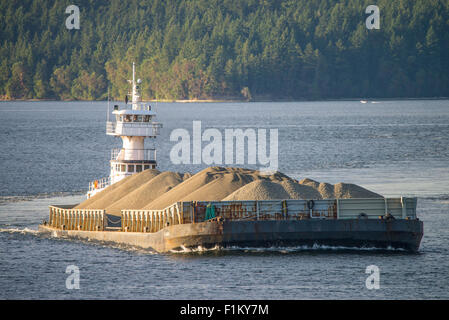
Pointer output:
362, 223
133, 124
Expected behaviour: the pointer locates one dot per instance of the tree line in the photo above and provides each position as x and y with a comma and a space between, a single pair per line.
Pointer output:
207, 49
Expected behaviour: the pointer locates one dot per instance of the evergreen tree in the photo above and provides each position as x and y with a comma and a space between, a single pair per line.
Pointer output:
197, 49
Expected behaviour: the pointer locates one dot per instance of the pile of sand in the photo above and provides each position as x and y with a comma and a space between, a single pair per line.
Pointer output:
152, 189
300, 191
326, 190
259, 190
118, 190
349, 190
147, 192
211, 184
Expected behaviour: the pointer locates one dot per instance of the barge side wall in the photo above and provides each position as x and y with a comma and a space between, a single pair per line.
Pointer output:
405, 234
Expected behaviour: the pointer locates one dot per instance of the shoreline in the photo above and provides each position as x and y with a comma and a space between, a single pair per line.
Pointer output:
237, 100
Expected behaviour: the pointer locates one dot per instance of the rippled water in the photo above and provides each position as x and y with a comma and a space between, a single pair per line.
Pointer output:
51, 150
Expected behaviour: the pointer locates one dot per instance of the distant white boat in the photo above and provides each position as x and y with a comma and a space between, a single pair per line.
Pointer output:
363, 101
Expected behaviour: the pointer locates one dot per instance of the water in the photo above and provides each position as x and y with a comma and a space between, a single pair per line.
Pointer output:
51, 150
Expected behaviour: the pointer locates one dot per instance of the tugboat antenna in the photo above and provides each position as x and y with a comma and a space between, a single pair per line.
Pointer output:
107, 116
134, 74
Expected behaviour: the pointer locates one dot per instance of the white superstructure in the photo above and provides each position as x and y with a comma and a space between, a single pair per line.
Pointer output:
133, 124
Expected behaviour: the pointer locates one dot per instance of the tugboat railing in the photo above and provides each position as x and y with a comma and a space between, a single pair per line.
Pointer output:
133, 154
150, 129
99, 184
110, 127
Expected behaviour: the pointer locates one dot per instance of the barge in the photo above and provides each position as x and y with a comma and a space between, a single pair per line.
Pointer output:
359, 223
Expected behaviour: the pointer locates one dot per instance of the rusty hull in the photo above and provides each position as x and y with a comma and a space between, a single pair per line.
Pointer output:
362, 233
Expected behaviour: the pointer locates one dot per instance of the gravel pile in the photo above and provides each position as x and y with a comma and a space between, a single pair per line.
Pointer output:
152, 189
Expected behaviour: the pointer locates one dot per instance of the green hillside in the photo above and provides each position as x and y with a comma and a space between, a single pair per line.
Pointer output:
204, 49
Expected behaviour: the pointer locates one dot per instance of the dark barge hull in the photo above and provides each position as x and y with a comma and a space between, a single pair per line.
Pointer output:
358, 233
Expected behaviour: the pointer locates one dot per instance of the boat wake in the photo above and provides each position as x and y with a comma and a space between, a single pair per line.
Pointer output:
19, 230
285, 250
196, 249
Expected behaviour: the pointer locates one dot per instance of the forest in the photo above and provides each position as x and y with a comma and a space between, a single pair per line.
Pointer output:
224, 49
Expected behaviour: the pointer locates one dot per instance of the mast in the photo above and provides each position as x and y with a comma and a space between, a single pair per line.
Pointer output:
134, 74
107, 115
135, 92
